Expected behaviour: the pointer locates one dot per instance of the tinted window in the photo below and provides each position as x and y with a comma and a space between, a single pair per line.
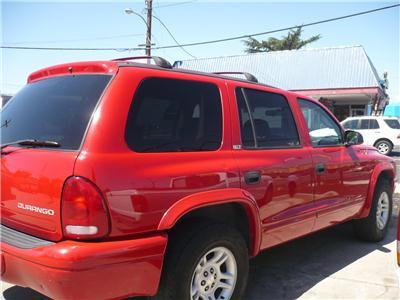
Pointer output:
246, 129
373, 124
169, 115
270, 119
54, 109
369, 124
352, 124
364, 124
324, 131
392, 123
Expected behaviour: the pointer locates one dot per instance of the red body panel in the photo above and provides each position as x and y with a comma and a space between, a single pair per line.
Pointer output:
217, 197
34, 177
75, 68
77, 270
147, 193
140, 187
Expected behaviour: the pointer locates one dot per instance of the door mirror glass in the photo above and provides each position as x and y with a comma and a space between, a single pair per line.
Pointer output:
353, 138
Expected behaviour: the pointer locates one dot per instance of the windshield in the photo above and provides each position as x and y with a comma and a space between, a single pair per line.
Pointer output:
55, 109
393, 123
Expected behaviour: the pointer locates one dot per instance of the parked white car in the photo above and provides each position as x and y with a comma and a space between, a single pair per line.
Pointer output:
381, 132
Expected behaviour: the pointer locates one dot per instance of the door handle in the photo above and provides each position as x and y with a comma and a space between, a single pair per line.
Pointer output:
252, 177
320, 168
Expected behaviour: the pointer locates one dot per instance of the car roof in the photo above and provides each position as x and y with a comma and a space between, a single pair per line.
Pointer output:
112, 66
369, 117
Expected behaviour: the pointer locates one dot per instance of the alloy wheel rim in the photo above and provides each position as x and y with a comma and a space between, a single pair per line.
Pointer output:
383, 148
382, 212
214, 277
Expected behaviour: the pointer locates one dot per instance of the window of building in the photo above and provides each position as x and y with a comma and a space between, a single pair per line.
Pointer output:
323, 130
266, 120
170, 115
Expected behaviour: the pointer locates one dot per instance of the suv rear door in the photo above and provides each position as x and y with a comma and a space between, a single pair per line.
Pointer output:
53, 109
274, 166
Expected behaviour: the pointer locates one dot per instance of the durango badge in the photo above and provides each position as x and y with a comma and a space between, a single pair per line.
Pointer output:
40, 210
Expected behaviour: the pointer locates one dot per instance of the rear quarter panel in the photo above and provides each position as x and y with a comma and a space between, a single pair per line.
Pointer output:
140, 187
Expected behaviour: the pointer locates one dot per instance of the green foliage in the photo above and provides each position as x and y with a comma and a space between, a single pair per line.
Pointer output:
291, 41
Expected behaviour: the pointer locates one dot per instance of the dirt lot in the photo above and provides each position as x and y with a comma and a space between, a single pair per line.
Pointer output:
331, 264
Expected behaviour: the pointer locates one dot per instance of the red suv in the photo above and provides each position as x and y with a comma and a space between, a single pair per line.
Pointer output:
122, 178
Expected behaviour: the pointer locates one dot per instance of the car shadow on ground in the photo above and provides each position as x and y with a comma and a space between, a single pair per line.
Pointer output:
289, 270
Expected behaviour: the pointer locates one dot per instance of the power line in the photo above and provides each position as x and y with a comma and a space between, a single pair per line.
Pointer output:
70, 48
211, 41
78, 40
175, 4
278, 30
172, 36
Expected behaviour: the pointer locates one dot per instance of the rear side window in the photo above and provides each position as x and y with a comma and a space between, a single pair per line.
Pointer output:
266, 120
369, 124
352, 124
170, 115
54, 109
393, 123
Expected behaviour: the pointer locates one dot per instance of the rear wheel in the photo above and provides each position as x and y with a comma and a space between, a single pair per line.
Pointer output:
374, 227
384, 147
205, 263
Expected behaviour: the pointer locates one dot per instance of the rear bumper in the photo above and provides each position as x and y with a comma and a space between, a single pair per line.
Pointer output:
87, 270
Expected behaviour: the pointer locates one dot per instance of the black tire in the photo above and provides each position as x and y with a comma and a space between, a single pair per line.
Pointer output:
384, 144
185, 249
367, 228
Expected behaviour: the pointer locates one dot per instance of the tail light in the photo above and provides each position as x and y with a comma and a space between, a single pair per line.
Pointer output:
398, 136
83, 211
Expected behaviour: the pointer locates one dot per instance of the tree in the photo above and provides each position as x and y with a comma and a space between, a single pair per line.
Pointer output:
291, 41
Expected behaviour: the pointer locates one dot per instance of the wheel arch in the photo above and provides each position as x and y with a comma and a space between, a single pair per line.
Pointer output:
218, 200
383, 170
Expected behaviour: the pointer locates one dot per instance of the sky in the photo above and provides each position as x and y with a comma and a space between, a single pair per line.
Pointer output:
104, 24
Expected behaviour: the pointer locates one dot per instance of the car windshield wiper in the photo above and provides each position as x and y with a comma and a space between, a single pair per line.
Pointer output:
32, 143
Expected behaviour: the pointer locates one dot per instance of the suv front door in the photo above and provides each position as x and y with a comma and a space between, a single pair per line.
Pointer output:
274, 166
341, 176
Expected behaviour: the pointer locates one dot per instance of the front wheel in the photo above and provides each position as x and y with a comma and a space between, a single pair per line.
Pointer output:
374, 227
384, 147
208, 262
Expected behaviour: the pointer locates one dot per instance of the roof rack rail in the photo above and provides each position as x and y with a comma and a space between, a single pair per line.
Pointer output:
159, 61
248, 76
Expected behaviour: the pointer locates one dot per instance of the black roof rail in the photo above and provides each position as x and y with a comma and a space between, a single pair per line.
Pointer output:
248, 76
159, 61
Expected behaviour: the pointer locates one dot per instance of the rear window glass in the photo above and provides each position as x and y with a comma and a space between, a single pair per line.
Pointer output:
392, 123
54, 109
170, 115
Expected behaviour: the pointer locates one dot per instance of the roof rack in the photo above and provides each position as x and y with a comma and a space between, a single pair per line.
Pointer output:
248, 76
159, 61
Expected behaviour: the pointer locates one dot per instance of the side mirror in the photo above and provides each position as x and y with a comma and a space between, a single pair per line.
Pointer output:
353, 138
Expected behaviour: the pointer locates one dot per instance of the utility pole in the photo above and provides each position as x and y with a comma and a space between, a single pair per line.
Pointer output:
149, 4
